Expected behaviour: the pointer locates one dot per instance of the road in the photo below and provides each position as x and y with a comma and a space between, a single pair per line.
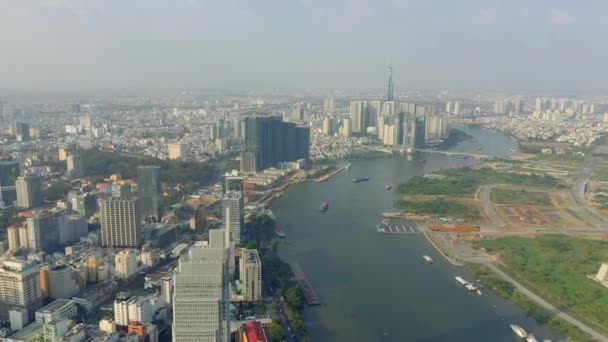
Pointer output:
582, 207
538, 300
483, 196
288, 331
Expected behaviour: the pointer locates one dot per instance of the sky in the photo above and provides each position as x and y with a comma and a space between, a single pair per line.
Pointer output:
510, 45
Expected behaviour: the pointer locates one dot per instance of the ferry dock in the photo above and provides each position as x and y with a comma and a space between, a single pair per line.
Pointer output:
309, 293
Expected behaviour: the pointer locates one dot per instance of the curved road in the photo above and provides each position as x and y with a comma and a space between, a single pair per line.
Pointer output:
582, 206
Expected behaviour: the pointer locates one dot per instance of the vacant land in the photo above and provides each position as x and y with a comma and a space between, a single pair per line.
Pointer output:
465, 181
556, 268
509, 196
440, 207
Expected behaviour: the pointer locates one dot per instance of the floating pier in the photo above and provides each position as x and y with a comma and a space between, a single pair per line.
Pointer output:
395, 229
309, 293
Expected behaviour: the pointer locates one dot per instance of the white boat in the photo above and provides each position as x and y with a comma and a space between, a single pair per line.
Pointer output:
428, 259
519, 331
347, 167
461, 280
531, 338
478, 292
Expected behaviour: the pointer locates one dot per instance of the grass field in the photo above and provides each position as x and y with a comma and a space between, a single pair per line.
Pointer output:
465, 181
556, 268
508, 196
440, 207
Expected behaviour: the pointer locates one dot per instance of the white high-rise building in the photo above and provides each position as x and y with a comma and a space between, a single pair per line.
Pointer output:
381, 120
347, 129
120, 222
125, 263
374, 112
388, 108
448, 107
250, 267
358, 115
456, 110
328, 105
134, 309
19, 287
75, 166
201, 296
233, 210
327, 126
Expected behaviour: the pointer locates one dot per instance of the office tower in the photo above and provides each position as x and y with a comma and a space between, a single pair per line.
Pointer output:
176, 151
358, 115
220, 129
29, 191
273, 141
125, 263
71, 227
233, 211
250, 268
166, 289
389, 96
328, 105
236, 128
413, 131
149, 191
9, 171
75, 167
381, 122
19, 287
248, 162
201, 296
297, 112
120, 222
456, 108
327, 126
43, 232
213, 132
388, 108
22, 131
347, 129
374, 112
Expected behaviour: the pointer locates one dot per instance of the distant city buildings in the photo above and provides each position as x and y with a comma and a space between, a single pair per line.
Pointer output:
120, 222
75, 166
176, 151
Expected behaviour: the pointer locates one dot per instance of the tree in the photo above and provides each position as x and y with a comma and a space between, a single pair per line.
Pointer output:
56, 191
293, 297
275, 331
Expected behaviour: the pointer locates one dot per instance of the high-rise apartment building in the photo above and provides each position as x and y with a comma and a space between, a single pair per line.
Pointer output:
456, 110
347, 128
75, 166
233, 211
43, 231
358, 115
388, 108
22, 131
19, 287
29, 191
436, 127
201, 296
273, 141
9, 171
120, 222
149, 191
176, 151
328, 105
297, 112
250, 267
374, 112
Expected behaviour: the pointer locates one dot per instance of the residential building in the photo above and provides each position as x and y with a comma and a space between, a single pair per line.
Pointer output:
19, 287
233, 211
59, 309
125, 263
177, 151
149, 191
64, 282
250, 267
9, 171
120, 222
29, 191
75, 166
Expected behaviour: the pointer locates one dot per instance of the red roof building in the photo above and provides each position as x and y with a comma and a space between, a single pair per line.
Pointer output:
253, 332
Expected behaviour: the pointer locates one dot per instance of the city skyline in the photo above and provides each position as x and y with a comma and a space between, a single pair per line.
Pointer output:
197, 44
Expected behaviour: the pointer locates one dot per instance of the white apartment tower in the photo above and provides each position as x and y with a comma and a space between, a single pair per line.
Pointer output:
233, 210
251, 274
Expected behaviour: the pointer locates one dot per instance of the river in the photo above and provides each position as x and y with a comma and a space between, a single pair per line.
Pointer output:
377, 287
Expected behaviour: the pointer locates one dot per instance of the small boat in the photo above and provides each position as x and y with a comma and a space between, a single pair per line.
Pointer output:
347, 167
519, 331
478, 292
531, 338
388, 187
428, 259
324, 206
359, 180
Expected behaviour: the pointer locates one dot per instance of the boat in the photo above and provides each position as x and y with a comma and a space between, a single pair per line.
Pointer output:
531, 338
460, 280
388, 187
359, 180
519, 331
480, 148
467, 284
347, 167
324, 206
428, 259
478, 292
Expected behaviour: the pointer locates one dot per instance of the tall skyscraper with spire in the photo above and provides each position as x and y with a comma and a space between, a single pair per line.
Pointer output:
389, 96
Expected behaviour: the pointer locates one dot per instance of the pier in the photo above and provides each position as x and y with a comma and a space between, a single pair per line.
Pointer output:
395, 229
309, 293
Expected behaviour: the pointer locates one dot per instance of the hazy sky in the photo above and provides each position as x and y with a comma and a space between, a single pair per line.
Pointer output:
509, 44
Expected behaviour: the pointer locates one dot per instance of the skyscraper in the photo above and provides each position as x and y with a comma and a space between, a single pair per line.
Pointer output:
297, 112
22, 131
29, 191
388, 108
201, 296
328, 105
272, 141
389, 95
43, 232
347, 129
9, 171
456, 108
19, 287
233, 211
120, 222
358, 115
149, 191
374, 111
75, 167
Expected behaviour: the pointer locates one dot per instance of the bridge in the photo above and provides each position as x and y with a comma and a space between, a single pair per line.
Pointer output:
452, 153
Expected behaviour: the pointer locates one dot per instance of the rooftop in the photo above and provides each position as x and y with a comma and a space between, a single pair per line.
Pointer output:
58, 303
